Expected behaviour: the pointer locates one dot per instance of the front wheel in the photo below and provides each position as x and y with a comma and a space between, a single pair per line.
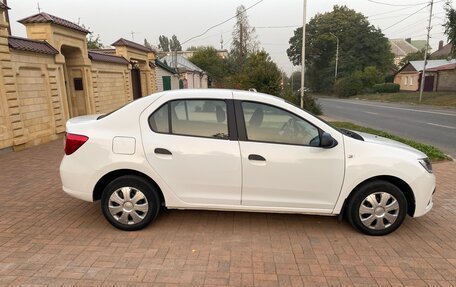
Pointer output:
377, 208
130, 203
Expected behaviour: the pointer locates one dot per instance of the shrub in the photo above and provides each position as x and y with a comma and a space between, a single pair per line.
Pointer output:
349, 86
386, 88
371, 76
309, 102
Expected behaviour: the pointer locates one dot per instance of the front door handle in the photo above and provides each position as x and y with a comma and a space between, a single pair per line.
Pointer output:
162, 151
256, 157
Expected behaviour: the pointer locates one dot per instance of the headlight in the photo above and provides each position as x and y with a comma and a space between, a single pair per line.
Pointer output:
426, 163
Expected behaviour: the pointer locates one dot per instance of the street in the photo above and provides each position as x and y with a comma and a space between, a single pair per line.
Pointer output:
435, 126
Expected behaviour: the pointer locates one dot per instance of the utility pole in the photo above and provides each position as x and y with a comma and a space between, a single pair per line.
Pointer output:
303, 66
423, 75
337, 56
38, 6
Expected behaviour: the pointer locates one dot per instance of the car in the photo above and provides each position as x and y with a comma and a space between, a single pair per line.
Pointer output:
216, 149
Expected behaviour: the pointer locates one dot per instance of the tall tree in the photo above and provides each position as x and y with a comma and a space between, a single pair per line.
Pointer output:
450, 25
415, 56
174, 44
244, 37
93, 42
147, 44
361, 45
163, 43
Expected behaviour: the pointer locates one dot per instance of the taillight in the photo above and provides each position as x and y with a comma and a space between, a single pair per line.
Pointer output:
74, 142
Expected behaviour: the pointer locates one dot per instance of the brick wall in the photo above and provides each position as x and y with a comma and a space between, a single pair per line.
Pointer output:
447, 80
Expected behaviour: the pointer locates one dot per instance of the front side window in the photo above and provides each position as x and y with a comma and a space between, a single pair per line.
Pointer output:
266, 123
201, 118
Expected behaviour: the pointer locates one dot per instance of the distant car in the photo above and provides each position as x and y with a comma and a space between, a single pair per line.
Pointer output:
239, 151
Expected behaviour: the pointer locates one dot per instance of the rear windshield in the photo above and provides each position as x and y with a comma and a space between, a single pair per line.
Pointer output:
111, 112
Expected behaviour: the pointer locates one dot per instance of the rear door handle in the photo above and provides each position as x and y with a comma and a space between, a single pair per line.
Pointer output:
162, 151
256, 157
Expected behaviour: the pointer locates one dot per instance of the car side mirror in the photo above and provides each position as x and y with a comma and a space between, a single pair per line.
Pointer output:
327, 141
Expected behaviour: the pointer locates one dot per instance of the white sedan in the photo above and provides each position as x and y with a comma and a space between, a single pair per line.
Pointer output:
239, 151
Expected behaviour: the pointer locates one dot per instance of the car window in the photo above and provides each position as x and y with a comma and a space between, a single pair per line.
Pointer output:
202, 118
159, 121
270, 124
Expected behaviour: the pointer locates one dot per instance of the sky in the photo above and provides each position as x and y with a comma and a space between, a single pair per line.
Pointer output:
112, 19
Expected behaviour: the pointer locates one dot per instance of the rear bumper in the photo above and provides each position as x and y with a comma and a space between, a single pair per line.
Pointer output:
76, 179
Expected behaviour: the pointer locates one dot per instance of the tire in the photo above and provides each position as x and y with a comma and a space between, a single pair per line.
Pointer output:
138, 210
377, 208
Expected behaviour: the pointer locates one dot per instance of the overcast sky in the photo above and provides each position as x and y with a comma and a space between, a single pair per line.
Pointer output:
113, 19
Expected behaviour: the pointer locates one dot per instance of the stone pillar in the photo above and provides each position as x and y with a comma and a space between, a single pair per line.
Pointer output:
11, 126
153, 73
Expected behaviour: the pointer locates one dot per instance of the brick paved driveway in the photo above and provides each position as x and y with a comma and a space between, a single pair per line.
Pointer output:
49, 238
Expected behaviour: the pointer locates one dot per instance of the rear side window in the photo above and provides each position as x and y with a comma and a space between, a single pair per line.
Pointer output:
201, 118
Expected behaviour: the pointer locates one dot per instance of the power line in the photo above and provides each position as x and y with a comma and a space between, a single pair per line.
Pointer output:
397, 5
391, 11
221, 23
402, 20
276, 27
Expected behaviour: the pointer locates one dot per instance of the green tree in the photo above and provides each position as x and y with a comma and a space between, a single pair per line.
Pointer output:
361, 45
93, 42
450, 25
174, 44
163, 43
260, 73
415, 56
147, 44
371, 76
207, 59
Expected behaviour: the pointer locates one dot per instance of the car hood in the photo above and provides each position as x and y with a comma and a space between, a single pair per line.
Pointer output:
391, 143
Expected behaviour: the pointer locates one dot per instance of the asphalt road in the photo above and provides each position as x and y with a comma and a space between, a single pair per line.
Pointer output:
429, 125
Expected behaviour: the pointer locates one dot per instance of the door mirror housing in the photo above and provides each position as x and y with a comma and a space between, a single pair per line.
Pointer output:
327, 141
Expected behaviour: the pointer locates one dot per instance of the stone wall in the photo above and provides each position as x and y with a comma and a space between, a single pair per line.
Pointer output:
446, 80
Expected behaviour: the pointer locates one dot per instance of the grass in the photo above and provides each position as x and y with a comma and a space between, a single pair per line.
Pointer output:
432, 152
443, 99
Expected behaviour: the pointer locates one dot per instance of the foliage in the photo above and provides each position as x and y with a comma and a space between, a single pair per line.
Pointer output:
93, 42
349, 86
244, 37
386, 88
295, 80
450, 25
432, 152
167, 44
371, 76
415, 56
261, 73
147, 44
361, 45
310, 104
207, 59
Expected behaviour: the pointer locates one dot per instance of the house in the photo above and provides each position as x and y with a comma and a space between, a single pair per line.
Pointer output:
167, 77
440, 76
192, 76
51, 76
444, 51
401, 48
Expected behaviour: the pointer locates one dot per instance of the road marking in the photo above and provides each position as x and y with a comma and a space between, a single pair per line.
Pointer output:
372, 113
437, 125
394, 108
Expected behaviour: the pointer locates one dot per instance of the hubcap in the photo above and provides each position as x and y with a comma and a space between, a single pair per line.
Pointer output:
379, 210
128, 205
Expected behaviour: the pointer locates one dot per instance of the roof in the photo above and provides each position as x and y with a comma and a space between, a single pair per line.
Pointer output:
164, 66
182, 63
401, 48
101, 57
443, 68
108, 51
417, 66
127, 43
35, 46
3, 6
47, 18
420, 44
444, 52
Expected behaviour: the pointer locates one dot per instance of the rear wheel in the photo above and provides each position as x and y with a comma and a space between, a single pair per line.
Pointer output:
130, 202
377, 208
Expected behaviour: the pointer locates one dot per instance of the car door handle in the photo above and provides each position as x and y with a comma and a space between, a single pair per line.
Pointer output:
256, 157
162, 151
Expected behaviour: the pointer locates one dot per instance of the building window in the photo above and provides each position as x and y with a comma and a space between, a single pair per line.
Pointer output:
411, 81
78, 84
